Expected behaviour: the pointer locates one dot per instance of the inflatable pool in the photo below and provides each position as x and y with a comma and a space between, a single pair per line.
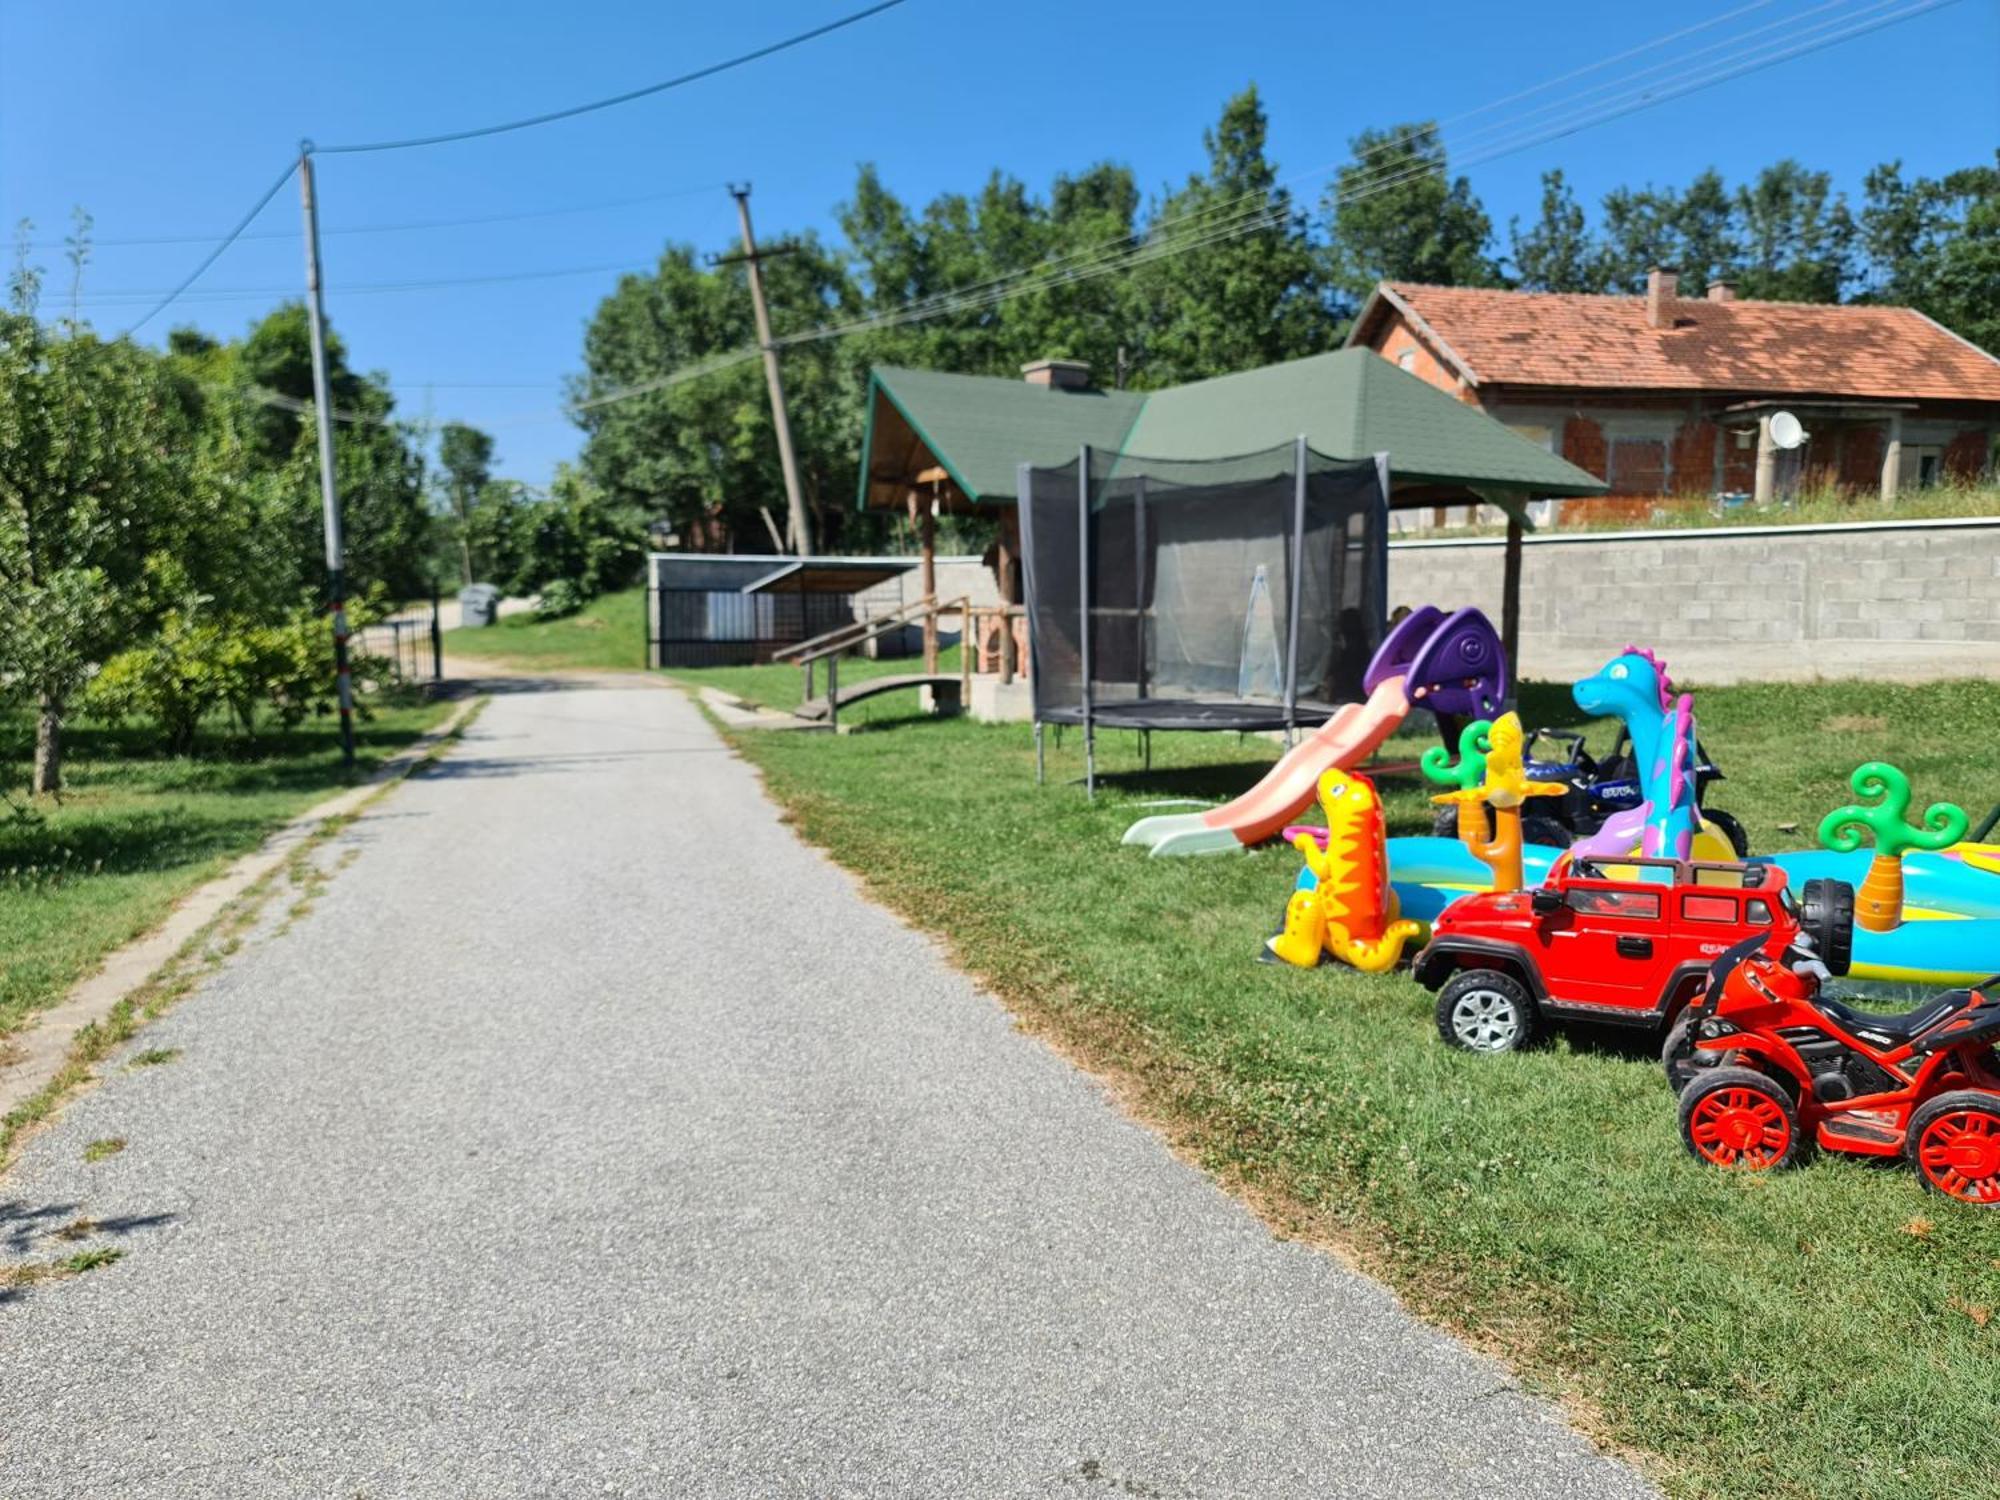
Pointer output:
1950, 934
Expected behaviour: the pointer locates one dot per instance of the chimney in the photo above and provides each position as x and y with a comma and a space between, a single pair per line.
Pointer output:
1722, 291
1058, 374
1662, 289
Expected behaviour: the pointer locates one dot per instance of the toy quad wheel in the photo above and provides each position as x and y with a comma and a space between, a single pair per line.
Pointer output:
1726, 825
1954, 1144
1484, 1010
1738, 1117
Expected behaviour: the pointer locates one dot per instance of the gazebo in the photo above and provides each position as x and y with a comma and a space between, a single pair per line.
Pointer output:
938, 443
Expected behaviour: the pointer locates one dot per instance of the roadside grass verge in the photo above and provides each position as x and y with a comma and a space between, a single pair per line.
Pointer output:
607, 634
1829, 1331
781, 685
137, 829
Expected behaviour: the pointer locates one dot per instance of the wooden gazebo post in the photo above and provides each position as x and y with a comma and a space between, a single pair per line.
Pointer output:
926, 524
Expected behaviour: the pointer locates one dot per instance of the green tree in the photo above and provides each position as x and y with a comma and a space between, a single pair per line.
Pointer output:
1556, 255
1799, 238
701, 452
94, 445
1396, 214
1934, 244
465, 454
1234, 281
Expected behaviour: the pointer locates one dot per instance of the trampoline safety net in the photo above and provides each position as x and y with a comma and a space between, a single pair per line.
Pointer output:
1237, 593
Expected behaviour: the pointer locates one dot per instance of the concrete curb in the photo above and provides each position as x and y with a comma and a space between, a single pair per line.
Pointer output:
36, 1054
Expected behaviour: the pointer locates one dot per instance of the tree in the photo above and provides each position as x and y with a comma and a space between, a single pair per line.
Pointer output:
94, 444
1234, 282
1556, 255
466, 456
1934, 244
702, 452
1799, 238
1395, 214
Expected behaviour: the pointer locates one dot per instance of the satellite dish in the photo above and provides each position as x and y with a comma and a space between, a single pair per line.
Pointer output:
1785, 430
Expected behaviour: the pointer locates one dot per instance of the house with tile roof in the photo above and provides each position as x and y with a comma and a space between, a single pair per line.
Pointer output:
1670, 396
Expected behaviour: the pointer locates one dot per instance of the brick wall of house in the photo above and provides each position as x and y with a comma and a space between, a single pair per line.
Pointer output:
1860, 465
1694, 458
1396, 337
1965, 455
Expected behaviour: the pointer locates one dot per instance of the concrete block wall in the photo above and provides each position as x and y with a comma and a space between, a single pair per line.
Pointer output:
1836, 596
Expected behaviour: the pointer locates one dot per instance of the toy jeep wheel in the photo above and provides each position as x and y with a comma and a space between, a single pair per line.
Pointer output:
1738, 1117
1484, 1010
1826, 915
1955, 1146
1444, 822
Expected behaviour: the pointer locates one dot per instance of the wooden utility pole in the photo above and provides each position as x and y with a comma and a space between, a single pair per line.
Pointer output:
753, 257
329, 493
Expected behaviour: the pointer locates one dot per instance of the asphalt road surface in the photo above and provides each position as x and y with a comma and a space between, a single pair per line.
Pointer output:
592, 1136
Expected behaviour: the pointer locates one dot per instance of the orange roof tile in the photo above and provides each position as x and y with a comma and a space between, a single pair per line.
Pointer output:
1783, 348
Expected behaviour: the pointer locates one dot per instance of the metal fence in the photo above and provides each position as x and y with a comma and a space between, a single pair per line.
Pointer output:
412, 647
717, 628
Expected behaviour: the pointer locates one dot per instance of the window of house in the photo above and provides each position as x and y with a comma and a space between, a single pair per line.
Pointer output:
1923, 466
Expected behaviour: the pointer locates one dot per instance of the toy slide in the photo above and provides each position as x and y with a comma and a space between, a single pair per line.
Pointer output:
1450, 664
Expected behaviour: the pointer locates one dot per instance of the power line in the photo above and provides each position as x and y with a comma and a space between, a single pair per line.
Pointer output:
249, 293
414, 225
1041, 279
215, 254
626, 98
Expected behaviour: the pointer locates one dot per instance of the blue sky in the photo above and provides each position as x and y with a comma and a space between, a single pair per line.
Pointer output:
168, 120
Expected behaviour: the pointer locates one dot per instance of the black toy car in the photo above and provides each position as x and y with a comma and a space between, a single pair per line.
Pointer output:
1597, 789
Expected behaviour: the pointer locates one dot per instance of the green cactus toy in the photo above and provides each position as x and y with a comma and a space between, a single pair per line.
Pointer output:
1475, 741
1878, 905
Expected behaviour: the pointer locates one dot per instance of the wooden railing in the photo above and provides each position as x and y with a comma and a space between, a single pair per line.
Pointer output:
829, 646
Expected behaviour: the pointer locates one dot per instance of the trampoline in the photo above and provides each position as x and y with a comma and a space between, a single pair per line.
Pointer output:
1244, 593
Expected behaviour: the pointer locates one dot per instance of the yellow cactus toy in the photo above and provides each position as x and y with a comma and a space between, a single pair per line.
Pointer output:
1504, 788
1351, 910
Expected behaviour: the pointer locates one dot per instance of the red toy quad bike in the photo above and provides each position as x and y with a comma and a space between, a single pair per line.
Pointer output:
1767, 1063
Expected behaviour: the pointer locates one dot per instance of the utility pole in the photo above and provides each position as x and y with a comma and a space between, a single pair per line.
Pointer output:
752, 256
336, 556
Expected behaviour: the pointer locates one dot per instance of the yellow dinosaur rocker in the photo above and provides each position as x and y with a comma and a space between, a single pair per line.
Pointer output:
1351, 911
1505, 788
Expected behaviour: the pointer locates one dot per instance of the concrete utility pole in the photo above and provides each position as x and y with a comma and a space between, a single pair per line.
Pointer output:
794, 499
336, 556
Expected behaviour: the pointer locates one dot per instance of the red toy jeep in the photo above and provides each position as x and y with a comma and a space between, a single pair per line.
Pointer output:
1633, 950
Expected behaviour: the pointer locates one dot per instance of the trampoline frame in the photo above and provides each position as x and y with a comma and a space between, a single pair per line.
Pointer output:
1148, 714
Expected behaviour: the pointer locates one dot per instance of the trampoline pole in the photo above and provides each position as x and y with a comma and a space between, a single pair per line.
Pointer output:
1083, 597
1298, 581
1041, 765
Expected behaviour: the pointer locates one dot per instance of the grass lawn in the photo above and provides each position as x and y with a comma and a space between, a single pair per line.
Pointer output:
607, 634
136, 830
1830, 1331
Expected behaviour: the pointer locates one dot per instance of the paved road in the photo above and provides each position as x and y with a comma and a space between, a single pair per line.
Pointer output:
592, 1136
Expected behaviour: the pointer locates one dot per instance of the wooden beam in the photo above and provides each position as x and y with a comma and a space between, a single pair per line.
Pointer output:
1510, 599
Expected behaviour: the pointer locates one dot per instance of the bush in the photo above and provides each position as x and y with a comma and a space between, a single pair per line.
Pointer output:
559, 597
199, 663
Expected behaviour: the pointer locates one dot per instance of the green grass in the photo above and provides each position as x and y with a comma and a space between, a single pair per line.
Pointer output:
1829, 1331
781, 685
1811, 508
136, 830
608, 634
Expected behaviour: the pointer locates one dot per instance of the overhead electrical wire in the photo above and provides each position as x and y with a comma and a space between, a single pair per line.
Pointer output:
447, 137
1040, 278
216, 253
629, 96
329, 231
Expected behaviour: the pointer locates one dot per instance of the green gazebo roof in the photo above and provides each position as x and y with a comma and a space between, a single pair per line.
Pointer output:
975, 430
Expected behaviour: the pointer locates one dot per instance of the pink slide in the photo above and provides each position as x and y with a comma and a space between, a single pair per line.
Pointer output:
1448, 663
